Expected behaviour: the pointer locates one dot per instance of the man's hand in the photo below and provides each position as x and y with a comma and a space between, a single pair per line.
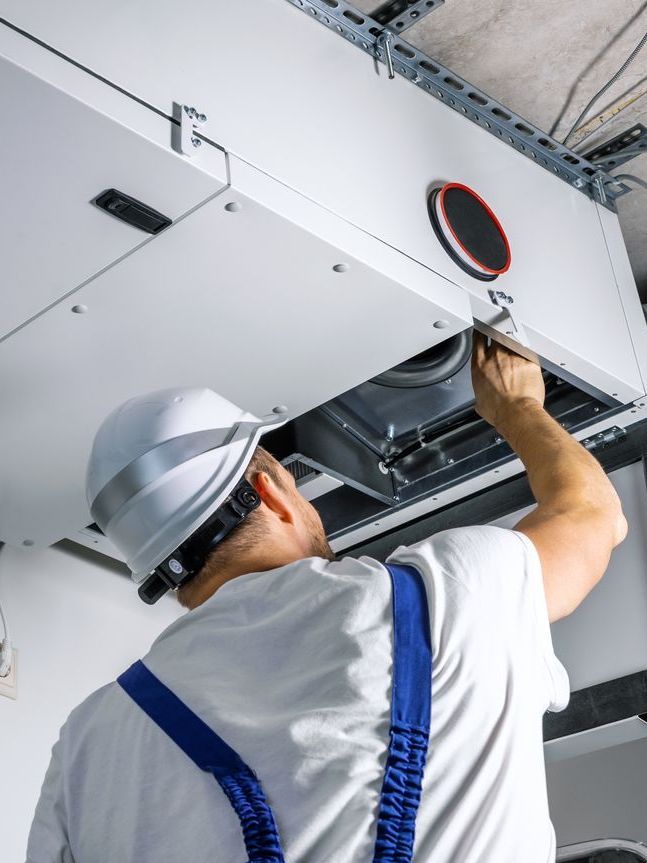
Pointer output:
501, 379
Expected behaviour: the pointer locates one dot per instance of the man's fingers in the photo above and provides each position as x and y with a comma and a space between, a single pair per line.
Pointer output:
479, 347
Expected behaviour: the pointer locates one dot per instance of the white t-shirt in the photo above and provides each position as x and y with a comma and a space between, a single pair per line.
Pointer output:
292, 668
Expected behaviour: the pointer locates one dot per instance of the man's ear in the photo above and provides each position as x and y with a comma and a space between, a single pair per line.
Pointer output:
274, 497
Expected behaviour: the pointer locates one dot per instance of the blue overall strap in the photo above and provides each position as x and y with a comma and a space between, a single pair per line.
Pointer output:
410, 717
210, 753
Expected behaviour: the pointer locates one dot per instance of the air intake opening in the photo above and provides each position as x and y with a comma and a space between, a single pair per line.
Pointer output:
469, 231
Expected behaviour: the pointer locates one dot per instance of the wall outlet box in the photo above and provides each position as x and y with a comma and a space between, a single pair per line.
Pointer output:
9, 684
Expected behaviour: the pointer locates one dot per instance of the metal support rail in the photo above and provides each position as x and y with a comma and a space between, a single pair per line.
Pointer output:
399, 15
432, 77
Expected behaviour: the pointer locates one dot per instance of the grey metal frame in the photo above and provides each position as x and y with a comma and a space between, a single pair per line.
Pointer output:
583, 850
404, 59
399, 15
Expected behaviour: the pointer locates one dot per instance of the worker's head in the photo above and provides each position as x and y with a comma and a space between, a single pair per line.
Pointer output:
169, 480
285, 527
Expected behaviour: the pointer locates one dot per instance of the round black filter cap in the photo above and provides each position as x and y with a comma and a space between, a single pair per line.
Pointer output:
469, 231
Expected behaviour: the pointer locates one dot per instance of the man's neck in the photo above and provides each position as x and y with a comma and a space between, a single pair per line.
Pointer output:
219, 574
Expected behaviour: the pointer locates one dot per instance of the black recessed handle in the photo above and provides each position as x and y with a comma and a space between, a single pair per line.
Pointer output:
132, 211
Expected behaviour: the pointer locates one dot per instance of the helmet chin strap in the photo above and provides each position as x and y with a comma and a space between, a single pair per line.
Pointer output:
187, 560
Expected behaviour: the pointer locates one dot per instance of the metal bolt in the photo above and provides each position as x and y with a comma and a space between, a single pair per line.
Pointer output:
596, 410
385, 39
196, 142
579, 183
498, 439
202, 118
450, 461
447, 381
396, 497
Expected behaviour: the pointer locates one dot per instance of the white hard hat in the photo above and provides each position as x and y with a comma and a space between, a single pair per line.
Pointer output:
161, 465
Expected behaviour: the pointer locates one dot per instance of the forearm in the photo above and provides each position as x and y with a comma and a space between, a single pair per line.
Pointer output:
562, 474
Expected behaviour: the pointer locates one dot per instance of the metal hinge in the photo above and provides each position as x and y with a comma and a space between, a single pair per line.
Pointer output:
505, 302
190, 121
605, 438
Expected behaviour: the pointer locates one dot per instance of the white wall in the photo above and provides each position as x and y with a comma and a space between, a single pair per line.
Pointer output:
601, 795
77, 622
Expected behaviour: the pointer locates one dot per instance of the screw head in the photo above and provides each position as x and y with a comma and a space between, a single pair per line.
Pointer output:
450, 461
579, 183
196, 142
175, 566
202, 118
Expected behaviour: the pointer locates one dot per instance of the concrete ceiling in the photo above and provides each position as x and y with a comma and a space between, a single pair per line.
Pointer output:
545, 59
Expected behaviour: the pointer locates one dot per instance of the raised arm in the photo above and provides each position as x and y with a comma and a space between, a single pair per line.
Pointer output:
578, 519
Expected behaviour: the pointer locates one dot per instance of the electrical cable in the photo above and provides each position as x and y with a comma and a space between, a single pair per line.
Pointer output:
6, 652
632, 179
608, 84
577, 147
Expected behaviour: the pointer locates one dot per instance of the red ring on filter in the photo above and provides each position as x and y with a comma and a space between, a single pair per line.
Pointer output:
453, 243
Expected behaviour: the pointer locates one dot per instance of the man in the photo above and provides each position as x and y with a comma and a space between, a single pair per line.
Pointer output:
287, 653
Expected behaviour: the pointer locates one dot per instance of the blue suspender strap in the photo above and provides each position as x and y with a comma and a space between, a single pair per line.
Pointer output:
211, 754
410, 717
409, 736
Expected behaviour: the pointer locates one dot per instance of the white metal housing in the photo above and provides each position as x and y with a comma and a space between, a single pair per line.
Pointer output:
301, 260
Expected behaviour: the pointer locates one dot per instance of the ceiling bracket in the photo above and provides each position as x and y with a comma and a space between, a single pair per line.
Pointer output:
190, 122
620, 149
438, 81
399, 15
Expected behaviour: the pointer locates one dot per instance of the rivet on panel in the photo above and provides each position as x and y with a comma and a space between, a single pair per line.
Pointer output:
341, 268
28, 542
79, 309
441, 324
280, 409
233, 207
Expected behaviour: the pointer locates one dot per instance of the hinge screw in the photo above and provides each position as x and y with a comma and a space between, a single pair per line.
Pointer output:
196, 142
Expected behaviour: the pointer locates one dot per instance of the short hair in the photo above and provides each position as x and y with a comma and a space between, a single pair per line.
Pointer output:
248, 533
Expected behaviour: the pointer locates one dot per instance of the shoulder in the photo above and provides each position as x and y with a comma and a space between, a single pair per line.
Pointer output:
473, 556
